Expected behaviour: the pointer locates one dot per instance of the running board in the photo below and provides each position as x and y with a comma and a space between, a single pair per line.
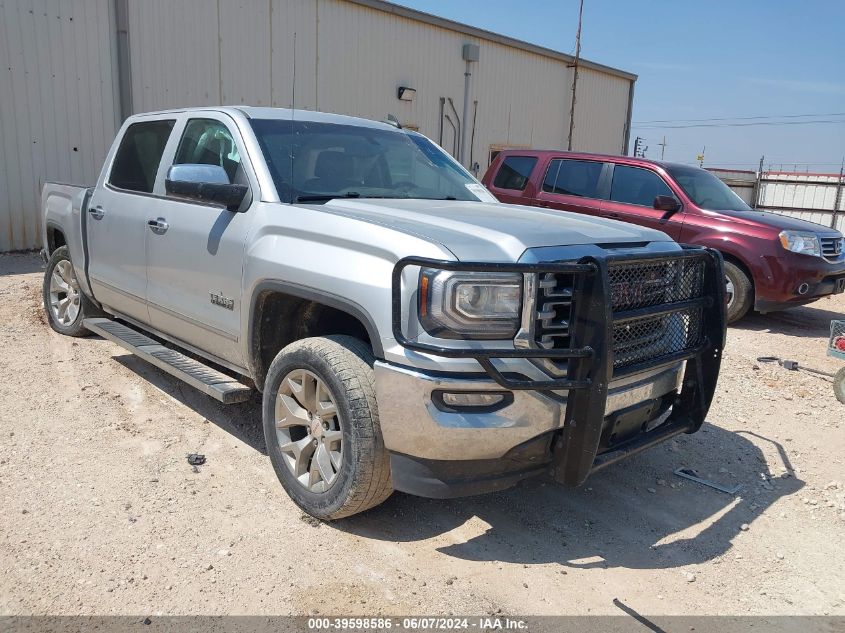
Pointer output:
216, 384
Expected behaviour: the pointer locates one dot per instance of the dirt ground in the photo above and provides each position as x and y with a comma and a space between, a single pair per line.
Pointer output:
101, 514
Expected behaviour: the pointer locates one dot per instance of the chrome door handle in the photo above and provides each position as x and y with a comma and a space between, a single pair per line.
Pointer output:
158, 226
97, 212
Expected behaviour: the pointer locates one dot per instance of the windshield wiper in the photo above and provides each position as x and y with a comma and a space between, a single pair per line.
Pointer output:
325, 197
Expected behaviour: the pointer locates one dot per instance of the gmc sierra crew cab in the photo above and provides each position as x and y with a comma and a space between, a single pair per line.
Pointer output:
407, 331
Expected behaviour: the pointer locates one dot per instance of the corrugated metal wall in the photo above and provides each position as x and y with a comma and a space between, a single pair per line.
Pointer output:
742, 182
189, 53
601, 112
818, 198
58, 105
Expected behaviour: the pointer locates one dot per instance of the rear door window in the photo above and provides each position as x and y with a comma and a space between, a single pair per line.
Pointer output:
633, 185
573, 178
138, 157
515, 172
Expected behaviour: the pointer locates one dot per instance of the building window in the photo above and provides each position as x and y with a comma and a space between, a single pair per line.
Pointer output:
514, 172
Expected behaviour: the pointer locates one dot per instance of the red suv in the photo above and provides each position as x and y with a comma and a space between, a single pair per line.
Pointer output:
772, 261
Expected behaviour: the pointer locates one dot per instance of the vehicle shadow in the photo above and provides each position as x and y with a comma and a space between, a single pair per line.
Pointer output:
20, 263
628, 515
625, 516
805, 321
241, 420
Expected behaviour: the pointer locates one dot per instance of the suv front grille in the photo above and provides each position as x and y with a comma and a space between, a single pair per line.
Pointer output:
832, 247
638, 289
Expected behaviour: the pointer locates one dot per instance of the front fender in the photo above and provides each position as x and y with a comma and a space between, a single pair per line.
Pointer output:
341, 262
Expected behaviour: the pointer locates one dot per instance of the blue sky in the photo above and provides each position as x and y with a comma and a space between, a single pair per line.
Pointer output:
702, 60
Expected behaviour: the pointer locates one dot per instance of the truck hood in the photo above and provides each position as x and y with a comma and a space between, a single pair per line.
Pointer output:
482, 231
772, 221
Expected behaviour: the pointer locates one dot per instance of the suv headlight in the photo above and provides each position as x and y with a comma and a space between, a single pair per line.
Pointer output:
800, 242
470, 305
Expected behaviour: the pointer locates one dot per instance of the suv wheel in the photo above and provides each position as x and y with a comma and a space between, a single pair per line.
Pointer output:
64, 302
739, 291
321, 427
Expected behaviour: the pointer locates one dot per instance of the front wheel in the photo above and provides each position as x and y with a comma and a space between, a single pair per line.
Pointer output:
64, 302
739, 292
322, 429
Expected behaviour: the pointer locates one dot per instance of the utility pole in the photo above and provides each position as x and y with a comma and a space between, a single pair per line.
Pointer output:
640, 147
575, 75
758, 184
840, 186
663, 148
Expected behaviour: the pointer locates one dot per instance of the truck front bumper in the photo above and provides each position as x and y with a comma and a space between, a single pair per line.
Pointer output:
438, 451
630, 320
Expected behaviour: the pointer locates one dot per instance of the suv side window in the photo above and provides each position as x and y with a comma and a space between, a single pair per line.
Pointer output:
515, 172
573, 177
209, 142
138, 157
633, 185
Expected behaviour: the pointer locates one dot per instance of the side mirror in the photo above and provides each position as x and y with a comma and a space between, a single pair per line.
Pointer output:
669, 204
206, 183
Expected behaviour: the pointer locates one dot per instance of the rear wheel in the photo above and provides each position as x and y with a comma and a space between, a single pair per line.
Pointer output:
321, 427
64, 302
739, 291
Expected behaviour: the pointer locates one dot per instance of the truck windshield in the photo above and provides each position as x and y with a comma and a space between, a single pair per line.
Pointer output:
316, 162
706, 190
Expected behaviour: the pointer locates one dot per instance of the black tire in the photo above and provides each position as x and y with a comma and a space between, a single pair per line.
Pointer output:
743, 297
86, 308
839, 385
345, 365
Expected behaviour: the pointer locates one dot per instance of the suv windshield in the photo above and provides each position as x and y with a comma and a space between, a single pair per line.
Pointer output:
706, 190
315, 162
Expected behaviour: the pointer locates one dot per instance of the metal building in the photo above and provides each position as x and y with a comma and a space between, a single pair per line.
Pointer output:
71, 70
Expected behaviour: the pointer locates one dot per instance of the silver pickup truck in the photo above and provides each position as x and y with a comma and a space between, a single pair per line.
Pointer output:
406, 330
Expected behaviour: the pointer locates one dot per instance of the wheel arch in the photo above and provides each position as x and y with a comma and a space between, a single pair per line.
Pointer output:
730, 254
55, 237
281, 313
739, 263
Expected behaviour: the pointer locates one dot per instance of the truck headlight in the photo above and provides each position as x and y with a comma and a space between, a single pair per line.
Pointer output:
800, 242
470, 305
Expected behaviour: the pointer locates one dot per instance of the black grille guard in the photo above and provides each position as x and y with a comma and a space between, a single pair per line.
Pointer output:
590, 356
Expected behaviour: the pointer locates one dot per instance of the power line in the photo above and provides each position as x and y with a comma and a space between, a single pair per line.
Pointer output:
741, 118
678, 127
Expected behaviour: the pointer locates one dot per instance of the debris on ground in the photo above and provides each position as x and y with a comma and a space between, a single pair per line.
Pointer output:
689, 473
195, 459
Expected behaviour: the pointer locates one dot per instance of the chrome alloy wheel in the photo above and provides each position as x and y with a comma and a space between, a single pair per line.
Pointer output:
64, 293
730, 293
308, 430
